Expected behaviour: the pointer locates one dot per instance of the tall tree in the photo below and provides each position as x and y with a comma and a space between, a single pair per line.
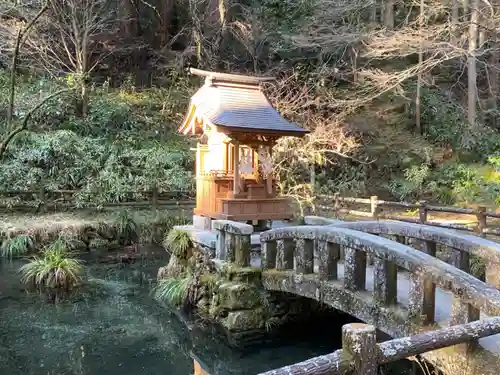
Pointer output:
11, 128
73, 41
418, 119
389, 14
471, 63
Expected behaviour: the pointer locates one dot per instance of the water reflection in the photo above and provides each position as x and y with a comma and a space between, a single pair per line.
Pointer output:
116, 328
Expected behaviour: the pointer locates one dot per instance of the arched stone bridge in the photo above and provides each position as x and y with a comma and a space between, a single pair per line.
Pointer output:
401, 290
387, 274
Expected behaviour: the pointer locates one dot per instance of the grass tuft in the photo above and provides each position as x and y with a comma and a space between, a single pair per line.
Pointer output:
55, 269
17, 246
178, 242
173, 291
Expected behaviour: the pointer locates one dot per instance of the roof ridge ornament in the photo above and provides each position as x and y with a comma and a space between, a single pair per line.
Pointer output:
230, 78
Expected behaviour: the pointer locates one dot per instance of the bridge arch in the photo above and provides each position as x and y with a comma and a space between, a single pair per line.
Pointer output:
289, 265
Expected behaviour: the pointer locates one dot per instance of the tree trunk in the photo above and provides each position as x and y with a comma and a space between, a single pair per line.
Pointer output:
128, 22
454, 22
418, 124
223, 34
389, 14
471, 63
373, 14
166, 12
21, 34
85, 98
493, 68
466, 9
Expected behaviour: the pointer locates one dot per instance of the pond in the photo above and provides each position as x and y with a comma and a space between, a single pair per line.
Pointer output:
120, 329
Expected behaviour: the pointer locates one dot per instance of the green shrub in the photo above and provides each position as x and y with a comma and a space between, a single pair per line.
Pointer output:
445, 123
55, 269
448, 184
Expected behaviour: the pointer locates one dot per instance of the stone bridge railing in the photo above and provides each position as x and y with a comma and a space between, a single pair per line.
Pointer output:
289, 266
338, 275
463, 246
288, 257
233, 242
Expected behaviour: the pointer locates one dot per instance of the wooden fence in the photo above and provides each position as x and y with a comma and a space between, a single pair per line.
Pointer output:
361, 354
381, 209
60, 200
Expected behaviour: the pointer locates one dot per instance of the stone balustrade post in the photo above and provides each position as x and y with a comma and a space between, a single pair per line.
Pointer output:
329, 255
233, 241
359, 341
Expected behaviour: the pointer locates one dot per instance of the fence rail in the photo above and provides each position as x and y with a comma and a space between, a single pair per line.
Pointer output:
340, 205
60, 200
361, 355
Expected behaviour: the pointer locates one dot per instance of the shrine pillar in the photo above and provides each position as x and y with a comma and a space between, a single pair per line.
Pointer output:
269, 172
236, 172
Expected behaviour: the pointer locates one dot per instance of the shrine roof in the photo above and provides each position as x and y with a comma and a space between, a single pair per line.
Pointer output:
237, 102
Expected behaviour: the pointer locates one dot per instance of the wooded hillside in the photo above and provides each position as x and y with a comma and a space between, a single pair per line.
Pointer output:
401, 96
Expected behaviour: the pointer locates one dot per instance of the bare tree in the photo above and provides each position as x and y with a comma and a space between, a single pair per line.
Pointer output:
24, 28
73, 40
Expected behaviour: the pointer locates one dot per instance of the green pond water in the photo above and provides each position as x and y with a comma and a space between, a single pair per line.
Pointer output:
118, 329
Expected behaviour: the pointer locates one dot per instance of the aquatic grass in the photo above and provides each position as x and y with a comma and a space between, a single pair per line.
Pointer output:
272, 323
17, 246
122, 229
179, 243
55, 269
89, 229
173, 290
127, 230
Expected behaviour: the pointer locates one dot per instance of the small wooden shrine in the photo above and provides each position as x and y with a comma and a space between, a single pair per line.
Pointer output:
237, 128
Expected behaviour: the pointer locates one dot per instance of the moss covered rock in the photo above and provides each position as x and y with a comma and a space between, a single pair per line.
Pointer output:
236, 296
244, 320
245, 275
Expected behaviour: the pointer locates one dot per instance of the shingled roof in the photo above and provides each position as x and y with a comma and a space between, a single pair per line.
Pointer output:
237, 102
